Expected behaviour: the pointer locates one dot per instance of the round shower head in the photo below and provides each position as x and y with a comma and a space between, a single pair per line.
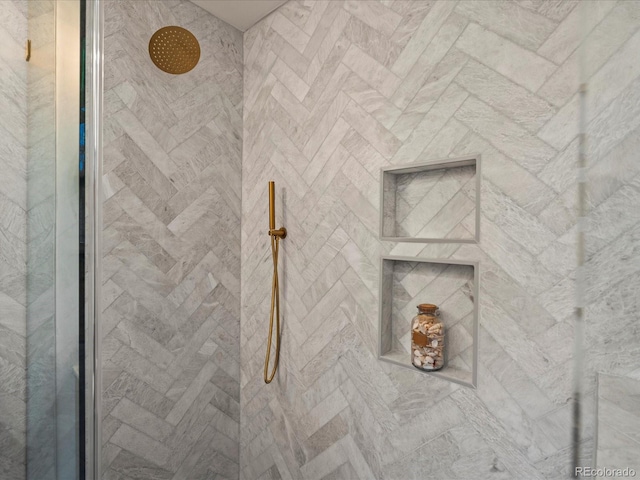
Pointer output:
174, 50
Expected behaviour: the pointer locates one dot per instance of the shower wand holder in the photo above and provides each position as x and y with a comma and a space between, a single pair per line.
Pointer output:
273, 231
278, 232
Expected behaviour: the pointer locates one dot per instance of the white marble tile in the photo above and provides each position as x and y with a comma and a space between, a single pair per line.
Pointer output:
440, 419
523, 266
615, 450
420, 40
438, 81
604, 86
374, 102
364, 152
140, 444
523, 26
291, 33
371, 71
296, 12
559, 300
431, 124
601, 43
375, 15
290, 80
529, 70
515, 221
529, 151
517, 103
370, 129
566, 38
326, 118
326, 149
128, 335
146, 422
426, 62
556, 9
362, 180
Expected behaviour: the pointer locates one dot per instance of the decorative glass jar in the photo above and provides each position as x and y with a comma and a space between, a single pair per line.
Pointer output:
427, 338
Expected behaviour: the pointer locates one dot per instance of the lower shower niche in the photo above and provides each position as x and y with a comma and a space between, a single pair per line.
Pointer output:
452, 285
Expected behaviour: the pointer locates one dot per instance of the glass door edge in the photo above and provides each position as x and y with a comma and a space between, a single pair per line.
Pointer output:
93, 393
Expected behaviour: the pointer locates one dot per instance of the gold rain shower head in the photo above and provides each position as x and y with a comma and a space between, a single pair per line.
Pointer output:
174, 50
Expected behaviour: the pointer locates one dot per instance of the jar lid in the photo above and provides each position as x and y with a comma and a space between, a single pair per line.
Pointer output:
427, 308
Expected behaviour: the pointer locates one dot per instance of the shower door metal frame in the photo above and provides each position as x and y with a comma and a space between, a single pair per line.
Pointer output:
93, 198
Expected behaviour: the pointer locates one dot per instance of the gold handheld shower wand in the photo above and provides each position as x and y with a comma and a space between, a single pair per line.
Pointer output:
276, 235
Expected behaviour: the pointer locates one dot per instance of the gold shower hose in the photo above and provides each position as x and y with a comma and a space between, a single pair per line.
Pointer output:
275, 235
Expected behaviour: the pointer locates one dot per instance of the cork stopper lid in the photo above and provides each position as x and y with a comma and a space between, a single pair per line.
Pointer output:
427, 308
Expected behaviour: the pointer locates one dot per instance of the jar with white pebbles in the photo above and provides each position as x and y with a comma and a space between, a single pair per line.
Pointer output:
427, 338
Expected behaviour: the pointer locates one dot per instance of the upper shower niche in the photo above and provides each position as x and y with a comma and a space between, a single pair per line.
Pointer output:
437, 201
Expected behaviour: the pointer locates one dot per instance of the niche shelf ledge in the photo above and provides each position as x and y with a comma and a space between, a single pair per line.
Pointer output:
431, 202
453, 285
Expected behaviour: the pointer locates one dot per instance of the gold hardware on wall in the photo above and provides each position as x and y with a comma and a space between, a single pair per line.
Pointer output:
280, 232
174, 50
276, 235
27, 51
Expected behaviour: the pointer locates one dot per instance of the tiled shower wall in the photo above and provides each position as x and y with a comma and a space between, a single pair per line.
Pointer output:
333, 91
171, 293
13, 240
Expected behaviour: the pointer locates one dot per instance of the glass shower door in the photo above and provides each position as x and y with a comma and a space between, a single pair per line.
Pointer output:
43, 300
608, 357
40, 319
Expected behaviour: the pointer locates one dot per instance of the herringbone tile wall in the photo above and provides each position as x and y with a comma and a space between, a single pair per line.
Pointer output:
13, 240
171, 295
334, 90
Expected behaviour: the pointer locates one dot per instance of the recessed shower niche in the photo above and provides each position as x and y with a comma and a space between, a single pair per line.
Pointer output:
426, 202
452, 285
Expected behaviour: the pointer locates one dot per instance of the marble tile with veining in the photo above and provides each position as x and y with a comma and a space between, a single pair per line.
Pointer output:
605, 85
425, 64
602, 41
527, 28
528, 150
517, 103
566, 38
430, 125
530, 70
432, 22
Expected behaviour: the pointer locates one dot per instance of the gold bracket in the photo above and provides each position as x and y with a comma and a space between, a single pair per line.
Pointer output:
280, 232
27, 51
